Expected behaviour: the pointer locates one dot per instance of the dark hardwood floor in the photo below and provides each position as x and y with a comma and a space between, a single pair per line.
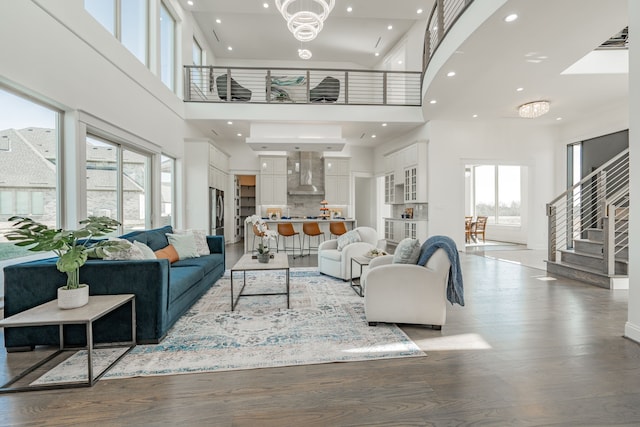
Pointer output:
524, 351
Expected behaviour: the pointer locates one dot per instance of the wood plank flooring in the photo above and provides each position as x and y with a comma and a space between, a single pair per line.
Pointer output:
522, 352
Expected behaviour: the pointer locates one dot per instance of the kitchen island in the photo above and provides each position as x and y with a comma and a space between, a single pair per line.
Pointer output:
297, 225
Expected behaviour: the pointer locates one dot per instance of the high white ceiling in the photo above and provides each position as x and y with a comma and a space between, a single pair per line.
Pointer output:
498, 58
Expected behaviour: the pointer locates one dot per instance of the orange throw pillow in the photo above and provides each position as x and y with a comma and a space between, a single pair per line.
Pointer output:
168, 252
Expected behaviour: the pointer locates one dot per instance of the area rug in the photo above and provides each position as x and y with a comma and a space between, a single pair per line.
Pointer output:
326, 323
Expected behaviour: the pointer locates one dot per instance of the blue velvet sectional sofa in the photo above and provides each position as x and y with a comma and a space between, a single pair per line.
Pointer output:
164, 292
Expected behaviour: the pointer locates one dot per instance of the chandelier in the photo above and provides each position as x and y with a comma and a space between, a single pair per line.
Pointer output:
305, 22
534, 109
304, 53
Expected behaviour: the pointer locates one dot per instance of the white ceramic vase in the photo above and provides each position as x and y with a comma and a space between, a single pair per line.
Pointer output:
73, 298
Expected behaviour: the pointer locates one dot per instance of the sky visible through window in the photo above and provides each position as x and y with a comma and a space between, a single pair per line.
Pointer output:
19, 113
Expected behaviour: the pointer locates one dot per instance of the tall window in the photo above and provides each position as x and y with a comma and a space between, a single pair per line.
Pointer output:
117, 183
126, 20
29, 135
497, 193
167, 173
197, 53
167, 47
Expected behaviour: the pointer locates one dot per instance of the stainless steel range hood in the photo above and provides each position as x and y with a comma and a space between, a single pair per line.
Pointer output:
309, 165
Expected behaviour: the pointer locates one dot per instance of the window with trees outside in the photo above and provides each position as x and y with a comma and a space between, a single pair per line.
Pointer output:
29, 140
167, 190
497, 193
167, 47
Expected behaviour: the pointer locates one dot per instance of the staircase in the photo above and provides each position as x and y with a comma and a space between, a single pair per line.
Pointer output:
588, 227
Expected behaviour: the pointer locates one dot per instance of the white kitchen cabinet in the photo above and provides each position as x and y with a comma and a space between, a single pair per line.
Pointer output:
389, 188
411, 184
273, 180
337, 172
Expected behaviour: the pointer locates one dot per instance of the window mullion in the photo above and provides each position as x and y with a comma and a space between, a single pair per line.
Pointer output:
497, 194
118, 19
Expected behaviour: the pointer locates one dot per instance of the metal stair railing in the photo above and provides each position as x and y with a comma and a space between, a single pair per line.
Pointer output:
599, 201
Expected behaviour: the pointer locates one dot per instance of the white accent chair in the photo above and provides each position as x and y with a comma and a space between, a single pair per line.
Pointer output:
333, 262
407, 293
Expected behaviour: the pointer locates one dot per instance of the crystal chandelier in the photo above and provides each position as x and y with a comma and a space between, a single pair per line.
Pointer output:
304, 53
534, 109
305, 23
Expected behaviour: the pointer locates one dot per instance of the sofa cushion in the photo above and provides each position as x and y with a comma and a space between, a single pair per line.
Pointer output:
168, 252
200, 237
132, 252
184, 244
407, 251
207, 262
183, 278
348, 238
156, 238
146, 250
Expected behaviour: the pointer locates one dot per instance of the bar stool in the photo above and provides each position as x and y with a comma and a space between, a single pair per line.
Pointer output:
337, 229
257, 233
285, 229
312, 229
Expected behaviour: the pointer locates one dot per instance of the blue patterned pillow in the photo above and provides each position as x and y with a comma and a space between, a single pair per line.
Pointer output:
407, 252
348, 238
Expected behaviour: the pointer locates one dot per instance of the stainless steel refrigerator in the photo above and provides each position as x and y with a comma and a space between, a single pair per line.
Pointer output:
216, 204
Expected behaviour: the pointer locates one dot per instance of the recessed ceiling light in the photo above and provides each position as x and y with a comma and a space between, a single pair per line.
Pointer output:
229, 122
377, 54
218, 21
190, 3
265, 5
520, 89
239, 134
373, 136
400, 61
349, 9
510, 18
475, 116
384, 124
390, 27
229, 48
558, 118
433, 101
451, 73
419, 11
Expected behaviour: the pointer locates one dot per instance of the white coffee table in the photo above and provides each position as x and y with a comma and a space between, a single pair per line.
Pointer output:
49, 314
247, 263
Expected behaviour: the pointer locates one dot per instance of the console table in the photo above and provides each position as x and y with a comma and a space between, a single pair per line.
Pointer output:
49, 314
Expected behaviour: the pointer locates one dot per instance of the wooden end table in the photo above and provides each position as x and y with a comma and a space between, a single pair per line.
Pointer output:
49, 314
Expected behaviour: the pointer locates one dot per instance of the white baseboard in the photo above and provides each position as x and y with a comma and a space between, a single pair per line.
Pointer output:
632, 331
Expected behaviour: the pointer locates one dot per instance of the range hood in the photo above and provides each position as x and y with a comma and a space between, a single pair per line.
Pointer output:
309, 166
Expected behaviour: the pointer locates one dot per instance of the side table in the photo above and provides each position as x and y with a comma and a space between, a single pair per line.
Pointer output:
49, 314
357, 286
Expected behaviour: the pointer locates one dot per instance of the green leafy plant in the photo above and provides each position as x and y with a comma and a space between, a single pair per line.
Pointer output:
73, 247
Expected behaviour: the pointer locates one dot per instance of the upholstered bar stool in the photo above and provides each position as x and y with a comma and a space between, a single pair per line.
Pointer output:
312, 229
337, 229
285, 229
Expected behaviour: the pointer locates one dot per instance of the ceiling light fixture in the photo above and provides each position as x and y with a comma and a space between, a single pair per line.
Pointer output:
384, 124
520, 89
377, 54
305, 24
451, 73
304, 53
419, 11
511, 18
349, 9
265, 5
390, 27
433, 101
534, 109
190, 3
218, 21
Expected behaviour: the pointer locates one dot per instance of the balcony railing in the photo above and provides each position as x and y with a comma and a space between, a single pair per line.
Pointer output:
302, 86
443, 16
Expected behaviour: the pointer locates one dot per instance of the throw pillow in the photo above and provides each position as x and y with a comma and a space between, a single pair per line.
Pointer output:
146, 250
201, 240
407, 251
168, 252
184, 244
348, 238
130, 253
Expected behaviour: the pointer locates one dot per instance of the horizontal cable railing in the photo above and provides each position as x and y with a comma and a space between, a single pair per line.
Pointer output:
444, 15
302, 86
598, 201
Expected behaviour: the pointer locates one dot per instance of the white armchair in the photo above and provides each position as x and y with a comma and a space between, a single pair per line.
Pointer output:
407, 293
333, 262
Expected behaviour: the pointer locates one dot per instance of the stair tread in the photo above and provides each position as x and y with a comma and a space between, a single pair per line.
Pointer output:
585, 269
594, 256
599, 242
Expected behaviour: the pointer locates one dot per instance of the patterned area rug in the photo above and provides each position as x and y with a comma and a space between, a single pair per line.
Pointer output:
326, 323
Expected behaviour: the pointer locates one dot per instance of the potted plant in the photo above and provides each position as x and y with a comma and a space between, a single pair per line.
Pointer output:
73, 248
265, 236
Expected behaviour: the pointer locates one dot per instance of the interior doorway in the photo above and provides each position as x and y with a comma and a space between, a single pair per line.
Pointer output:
244, 203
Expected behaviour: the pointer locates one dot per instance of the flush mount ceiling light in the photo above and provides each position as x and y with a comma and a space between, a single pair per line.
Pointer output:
304, 53
305, 18
534, 109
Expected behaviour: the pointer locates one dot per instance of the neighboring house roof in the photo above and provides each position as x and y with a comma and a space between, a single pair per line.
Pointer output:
28, 159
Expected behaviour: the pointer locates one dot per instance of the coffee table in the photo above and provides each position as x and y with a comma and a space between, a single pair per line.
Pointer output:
357, 286
247, 263
49, 314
